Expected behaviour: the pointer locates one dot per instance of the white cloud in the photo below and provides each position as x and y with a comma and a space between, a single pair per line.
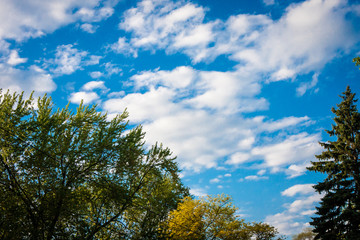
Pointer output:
283, 74
69, 59
195, 114
96, 74
300, 204
173, 26
89, 28
86, 97
307, 36
255, 178
293, 219
295, 149
239, 158
298, 189
183, 107
89, 86
215, 180
304, 87
123, 47
284, 123
14, 58
31, 79
269, 2
151, 105
179, 77
41, 17
112, 69
198, 192
116, 94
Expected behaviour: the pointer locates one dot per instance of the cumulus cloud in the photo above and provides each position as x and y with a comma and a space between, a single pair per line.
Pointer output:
292, 219
69, 59
307, 36
295, 150
164, 101
298, 189
89, 28
195, 113
182, 107
168, 25
86, 97
123, 47
14, 58
33, 78
198, 192
39, 17
89, 86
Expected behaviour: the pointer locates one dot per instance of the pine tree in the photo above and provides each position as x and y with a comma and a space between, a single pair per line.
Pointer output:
339, 210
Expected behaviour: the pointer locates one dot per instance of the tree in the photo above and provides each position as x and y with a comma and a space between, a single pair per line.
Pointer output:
212, 218
306, 234
339, 210
357, 61
262, 231
66, 175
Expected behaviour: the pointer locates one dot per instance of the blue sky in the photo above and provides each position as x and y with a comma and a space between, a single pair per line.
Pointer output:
240, 91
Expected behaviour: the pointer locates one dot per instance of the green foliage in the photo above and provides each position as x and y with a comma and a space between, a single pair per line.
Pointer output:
357, 61
262, 231
212, 218
66, 175
339, 212
306, 234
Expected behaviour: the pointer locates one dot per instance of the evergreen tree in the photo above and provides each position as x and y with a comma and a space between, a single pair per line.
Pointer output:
339, 210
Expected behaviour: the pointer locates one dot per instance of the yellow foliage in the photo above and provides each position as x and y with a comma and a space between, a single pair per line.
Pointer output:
206, 218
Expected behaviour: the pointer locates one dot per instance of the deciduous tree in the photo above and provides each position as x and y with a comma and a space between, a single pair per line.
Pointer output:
212, 218
357, 61
306, 234
66, 175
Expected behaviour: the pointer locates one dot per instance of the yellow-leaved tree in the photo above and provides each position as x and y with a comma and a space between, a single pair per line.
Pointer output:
211, 218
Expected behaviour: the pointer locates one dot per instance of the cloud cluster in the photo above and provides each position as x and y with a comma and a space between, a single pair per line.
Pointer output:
290, 221
69, 59
21, 20
41, 17
90, 92
17, 79
198, 115
304, 39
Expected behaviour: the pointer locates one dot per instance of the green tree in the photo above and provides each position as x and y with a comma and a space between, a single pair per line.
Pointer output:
339, 210
66, 175
357, 61
306, 234
262, 231
212, 218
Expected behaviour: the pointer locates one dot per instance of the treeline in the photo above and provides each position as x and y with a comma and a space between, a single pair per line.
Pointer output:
77, 175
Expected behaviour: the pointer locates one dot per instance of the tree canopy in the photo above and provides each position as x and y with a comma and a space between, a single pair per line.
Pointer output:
213, 218
338, 216
66, 175
306, 234
357, 61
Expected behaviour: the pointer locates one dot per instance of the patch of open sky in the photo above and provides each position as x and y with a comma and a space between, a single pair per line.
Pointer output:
222, 9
